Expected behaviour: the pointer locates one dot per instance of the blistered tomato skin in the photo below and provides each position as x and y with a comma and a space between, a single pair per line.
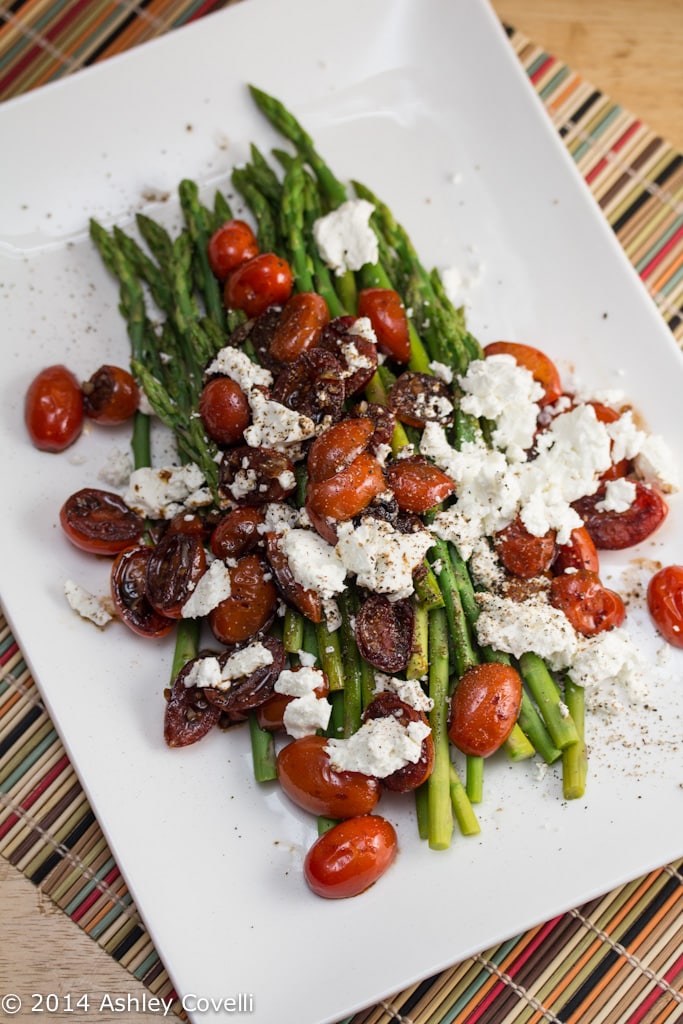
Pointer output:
308, 779
100, 522
615, 531
128, 591
484, 708
539, 365
350, 857
665, 603
418, 485
224, 411
590, 607
348, 492
579, 553
53, 409
251, 605
262, 281
522, 553
231, 244
385, 311
299, 327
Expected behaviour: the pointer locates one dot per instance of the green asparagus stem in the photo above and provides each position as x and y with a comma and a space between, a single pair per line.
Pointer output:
199, 230
474, 779
462, 805
422, 810
465, 656
292, 226
262, 751
427, 588
267, 232
518, 746
329, 652
418, 664
440, 812
574, 759
351, 661
222, 212
293, 634
547, 696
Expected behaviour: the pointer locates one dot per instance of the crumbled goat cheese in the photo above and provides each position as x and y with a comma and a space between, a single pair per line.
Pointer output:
208, 671
611, 670
408, 690
276, 426
530, 625
314, 563
354, 359
344, 237
162, 493
627, 439
362, 327
306, 659
303, 716
619, 496
380, 747
382, 558
278, 518
212, 588
243, 482
299, 682
117, 469
205, 672
499, 389
485, 567
86, 604
656, 464
236, 364
441, 371
144, 404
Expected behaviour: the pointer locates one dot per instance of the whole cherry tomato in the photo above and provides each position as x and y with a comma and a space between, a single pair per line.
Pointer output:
484, 708
522, 553
300, 326
309, 780
578, 553
665, 603
251, 605
100, 522
350, 857
539, 365
617, 530
224, 410
129, 594
348, 492
590, 607
337, 447
418, 484
387, 315
262, 281
231, 244
53, 409
110, 396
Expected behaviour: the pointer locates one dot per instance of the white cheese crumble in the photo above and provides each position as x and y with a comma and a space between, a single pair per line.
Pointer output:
86, 604
212, 588
408, 690
208, 671
362, 327
382, 558
611, 670
344, 237
314, 563
299, 682
531, 625
236, 364
656, 464
303, 716
276, 426
379, 748
499, 389
441, 371
162, 493
117, 469
619, 496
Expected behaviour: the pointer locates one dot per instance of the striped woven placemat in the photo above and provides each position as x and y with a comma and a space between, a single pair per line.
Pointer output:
616, 960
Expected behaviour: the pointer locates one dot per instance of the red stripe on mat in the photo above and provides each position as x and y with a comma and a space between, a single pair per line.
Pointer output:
656, 993
36, 51
663, 252
83, 907
619, 144
44, 783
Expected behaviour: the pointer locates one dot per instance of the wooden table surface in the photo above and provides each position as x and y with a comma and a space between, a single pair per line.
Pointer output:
632, 51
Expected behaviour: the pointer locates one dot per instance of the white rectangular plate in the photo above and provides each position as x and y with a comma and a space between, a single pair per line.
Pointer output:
425, 102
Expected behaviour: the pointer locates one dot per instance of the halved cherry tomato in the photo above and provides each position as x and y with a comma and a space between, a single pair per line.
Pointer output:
578, 553
224, 410
484, 708
387, 315
418, 399
337, 447
309, 780
411, 775
249, 692
299, 327
539, 365
100, 522
251, 605
308, 602
188, 715
175, 566
665, 603
237, 533
617, 530
590, 607
231, 244
53, 409
418, 484
606, 414
522, 553
350, 857
262, 281
384, 632
110, 396
347, 493
129, 594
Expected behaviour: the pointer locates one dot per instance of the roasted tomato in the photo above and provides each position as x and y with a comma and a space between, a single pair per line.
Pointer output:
224, 410
539, 365
175, 566
100, 522
188, 716
237, 533
308, 779
665, 603
617, 530
579, 553
350, 857
129, 594
312, 385
356, 353
387, 315
590, 607
484, 708
249, 692
408, 778
299, 326
418, 399
256, 476
308, 602
251, 605
384, 632
270, 715
348, 492
522, 553
606, 414
231, 244
337, 447
53, 409
418, 484
262, 281
110, 396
